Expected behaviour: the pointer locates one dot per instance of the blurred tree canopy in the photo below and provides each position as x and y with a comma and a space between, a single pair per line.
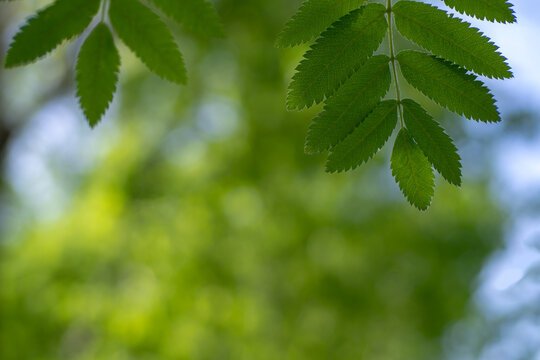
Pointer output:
204, 232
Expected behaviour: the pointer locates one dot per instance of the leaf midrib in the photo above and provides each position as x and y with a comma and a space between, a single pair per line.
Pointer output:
363, 138
463, 94
434, 143
410, 163
312, 21
98, 68
449, 40
150, 44
69, 13
363, 90
334, 59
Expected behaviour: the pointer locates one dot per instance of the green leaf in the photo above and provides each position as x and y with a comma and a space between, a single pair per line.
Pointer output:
366, 139
313, 18
412, 171
450, 38
148, 37
97, 73
434, 142
448, 85
492, 10
197, 16
336, 55
42, 33
350, 105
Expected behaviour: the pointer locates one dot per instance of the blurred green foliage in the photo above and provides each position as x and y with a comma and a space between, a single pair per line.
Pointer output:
206, 233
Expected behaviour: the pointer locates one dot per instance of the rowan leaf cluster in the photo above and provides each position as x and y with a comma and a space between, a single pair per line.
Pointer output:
346, 70
139, 25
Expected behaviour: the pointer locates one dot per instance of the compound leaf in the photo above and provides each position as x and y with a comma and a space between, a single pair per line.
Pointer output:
412, 171
336, 55
450, 38
97, 73
42, 33
149, 38
350, 105
366, 139
341, 70
448, 85
492, 10
313, 18
197, 16
434, 142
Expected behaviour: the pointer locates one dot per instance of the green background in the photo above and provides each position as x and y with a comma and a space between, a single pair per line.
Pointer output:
198, 229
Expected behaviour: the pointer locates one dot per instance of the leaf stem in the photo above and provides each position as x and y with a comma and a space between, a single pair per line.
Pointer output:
393, 58
103, 10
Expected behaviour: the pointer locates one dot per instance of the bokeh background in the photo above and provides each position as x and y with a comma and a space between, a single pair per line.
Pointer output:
190, 224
